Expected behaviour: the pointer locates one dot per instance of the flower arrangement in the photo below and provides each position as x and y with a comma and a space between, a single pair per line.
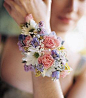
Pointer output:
43, 52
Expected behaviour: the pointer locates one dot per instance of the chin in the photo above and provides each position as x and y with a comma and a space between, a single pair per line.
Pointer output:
63, 29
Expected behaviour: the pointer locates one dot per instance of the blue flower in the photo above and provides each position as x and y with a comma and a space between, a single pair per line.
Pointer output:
35, 42
54, 54
40, 67
62, 42
22, 37
56, 74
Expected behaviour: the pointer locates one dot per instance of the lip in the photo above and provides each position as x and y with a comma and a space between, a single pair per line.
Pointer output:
66, 20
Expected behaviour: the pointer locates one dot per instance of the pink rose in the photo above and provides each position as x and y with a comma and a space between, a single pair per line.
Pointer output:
51, 42
27, 40
46, 60
47, 52
40, 60
28, 18
64, 73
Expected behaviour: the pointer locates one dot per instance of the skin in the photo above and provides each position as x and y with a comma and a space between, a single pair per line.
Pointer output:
74, 9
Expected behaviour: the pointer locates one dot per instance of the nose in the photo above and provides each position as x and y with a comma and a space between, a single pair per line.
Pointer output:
72, 5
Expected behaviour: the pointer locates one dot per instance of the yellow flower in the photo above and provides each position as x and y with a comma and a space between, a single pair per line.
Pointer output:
38, 73
67, 67
61, 48
26, 48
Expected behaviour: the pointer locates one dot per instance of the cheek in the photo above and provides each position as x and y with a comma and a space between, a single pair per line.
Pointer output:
57, 6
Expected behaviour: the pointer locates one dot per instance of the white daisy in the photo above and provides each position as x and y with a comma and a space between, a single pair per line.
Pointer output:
26, 30
32, 56
48, 72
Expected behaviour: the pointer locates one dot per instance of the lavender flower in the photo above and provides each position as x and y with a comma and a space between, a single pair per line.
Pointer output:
41, 24
56, 74
42, 31
40, 67
28, 68
20, 46
62, 42
54, 54
35, 42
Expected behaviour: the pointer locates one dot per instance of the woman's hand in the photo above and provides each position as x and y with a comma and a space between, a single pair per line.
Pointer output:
19, 9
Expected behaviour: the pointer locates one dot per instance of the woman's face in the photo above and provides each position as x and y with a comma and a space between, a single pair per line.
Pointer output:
66, 13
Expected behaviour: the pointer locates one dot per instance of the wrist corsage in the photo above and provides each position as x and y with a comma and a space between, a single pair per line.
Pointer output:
43, 52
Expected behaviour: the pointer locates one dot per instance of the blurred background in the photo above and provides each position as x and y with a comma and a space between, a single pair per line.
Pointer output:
77, 38
8, 27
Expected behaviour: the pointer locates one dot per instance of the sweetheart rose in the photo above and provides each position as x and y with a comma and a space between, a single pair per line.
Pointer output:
51, 42
27, 40
28, 17
47, 60
64, 73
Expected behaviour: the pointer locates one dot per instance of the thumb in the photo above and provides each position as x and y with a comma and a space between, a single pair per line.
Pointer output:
48, 3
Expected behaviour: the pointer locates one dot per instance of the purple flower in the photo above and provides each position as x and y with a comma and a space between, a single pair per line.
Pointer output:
22, 37
28, 68
35, 42
40, 67
60, 39
20, 46
21, 49
41, 24
53, 33
56, 74
42, 31
54, 54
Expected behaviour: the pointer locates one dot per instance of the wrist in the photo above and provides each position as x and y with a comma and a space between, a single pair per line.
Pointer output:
47, 26
45, 86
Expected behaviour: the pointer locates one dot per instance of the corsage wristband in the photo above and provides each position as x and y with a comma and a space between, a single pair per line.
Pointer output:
43, 52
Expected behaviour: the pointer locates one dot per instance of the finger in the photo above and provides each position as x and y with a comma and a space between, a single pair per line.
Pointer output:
17, 1
48, 3
8, 8
21, 3
14, 6
10, 3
